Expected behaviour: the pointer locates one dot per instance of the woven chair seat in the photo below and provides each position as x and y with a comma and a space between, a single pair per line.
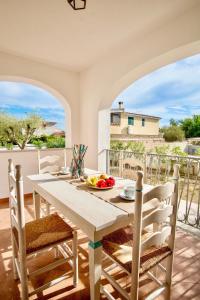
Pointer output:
118, 245
45, 232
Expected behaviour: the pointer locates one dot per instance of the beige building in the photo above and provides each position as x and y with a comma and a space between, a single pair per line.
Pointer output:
126, 125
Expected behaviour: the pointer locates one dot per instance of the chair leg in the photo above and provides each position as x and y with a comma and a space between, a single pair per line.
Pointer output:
24, 281
169, 269
14, 256
75, 258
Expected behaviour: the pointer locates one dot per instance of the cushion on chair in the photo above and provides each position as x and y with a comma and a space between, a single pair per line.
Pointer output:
45, 232
119, 245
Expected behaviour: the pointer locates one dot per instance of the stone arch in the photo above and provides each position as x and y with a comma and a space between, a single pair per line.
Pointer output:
53, 92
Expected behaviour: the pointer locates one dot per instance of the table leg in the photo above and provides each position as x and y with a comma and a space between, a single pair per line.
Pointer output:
95, 257
36, 204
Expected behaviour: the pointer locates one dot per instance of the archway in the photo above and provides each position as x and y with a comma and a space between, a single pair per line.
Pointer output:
125, 81
51, 91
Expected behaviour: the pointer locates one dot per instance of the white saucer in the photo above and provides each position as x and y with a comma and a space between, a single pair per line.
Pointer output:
122, 195
64, 173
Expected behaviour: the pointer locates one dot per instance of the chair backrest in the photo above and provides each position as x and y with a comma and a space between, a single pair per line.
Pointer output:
163, 218
16, 202
51, 162
131, 165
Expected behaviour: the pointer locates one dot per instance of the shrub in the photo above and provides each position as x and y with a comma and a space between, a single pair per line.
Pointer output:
55, 142
197, 152
38, 144
173, 133
177, 151
117, 145
162, 150
137, 147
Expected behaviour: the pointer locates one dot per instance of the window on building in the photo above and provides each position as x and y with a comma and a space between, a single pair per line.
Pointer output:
143, 122
130, 120
115, 119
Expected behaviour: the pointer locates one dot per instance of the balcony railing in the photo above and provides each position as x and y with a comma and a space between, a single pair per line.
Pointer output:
158, 169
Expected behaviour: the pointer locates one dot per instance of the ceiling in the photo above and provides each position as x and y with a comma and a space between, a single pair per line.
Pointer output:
50, 31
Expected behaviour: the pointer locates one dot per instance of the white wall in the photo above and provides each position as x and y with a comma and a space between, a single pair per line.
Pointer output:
101, 83
28, 159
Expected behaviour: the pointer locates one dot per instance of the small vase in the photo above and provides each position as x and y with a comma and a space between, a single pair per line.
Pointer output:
77, 168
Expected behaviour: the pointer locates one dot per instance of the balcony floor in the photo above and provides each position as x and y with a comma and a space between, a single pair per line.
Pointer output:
186, 277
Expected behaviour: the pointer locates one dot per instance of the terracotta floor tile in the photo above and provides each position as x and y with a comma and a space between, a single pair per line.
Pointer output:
186, 278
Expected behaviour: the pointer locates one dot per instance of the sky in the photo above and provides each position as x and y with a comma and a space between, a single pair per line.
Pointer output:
170, 92
20, 99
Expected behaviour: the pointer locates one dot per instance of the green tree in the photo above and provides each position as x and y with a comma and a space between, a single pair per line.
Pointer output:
173, 122
5, 121
191, 126
18, 131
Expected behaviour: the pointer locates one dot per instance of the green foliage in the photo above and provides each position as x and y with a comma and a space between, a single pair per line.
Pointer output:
37, 139
48, 141
5, 121
197, 152
177, 151
191, 126
173, 122
9, 146
173, 133
162, 150
38, 144
55, 142
117, 145
130, 146
136, 147
18, 131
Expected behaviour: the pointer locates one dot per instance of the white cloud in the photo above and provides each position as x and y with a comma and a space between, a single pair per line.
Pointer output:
25, 95
170, 92
10, 89
177, 108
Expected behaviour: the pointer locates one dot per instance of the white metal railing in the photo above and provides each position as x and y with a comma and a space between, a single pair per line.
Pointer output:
158, 169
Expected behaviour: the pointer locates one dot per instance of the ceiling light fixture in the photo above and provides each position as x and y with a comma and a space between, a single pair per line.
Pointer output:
77, 4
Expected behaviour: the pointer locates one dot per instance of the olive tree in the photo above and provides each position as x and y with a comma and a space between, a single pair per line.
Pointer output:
18, 131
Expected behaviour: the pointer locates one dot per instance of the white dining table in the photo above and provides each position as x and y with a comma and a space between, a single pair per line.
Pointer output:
94, 216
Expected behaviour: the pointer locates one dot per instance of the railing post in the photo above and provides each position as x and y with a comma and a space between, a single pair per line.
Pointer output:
145, 168
121, 156
107, 161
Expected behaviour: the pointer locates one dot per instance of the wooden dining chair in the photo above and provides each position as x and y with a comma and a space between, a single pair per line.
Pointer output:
43, 234
49, 164
138, 251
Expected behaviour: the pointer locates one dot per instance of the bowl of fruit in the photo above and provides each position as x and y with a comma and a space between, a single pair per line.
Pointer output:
102, 182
